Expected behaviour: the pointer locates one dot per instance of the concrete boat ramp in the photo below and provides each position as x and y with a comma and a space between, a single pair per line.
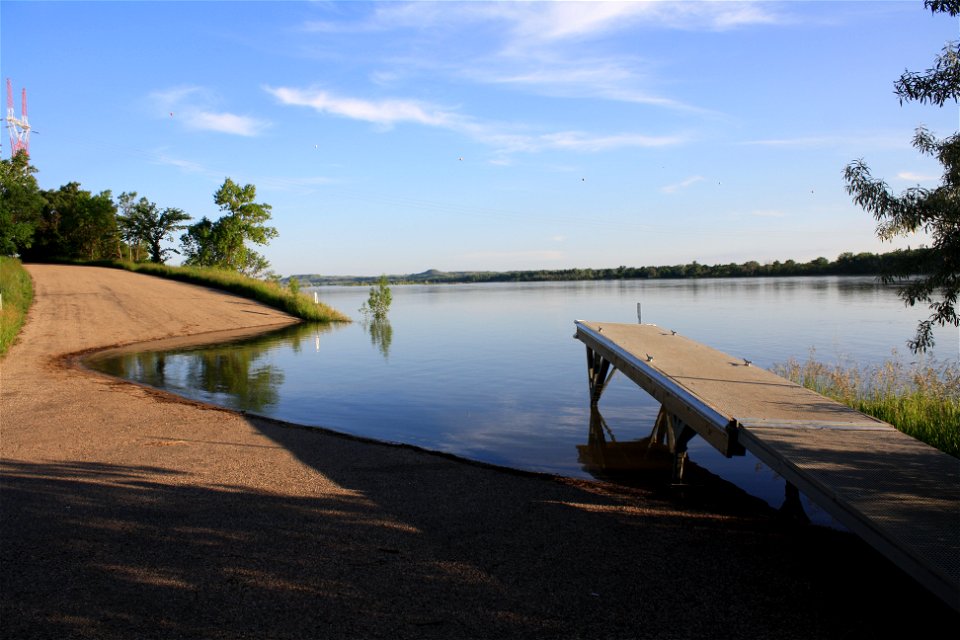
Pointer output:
898, 494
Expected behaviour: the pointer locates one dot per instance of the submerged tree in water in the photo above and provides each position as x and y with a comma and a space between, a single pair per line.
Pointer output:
378, 303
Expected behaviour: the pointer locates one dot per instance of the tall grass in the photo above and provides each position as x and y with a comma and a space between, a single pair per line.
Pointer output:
269, 293
921, 399
16, 295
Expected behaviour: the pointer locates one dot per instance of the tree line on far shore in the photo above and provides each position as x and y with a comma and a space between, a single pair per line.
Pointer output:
846, 264
72, 224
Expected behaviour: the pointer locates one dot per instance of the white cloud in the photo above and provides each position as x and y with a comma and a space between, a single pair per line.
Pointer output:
384, 112
604, 78
566, 20
553, 21
579, 141
768, 213
673, 188
874, 140
224, 123
802, 142
505, 138
192, 107
916, 177
185, 165
547, 47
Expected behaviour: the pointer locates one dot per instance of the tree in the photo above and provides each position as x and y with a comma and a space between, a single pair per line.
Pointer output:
20, 204
75, 225
931, 277
379, 300
127, 226
143, 224
222, 243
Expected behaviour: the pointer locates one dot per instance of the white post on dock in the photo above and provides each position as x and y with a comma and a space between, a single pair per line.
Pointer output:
316, 300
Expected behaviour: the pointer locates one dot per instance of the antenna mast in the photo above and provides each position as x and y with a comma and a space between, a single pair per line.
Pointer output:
19, 128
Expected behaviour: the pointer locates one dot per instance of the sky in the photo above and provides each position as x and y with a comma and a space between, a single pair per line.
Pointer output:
394, 137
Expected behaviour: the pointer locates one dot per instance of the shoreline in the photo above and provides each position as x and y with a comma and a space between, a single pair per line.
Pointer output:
128, 512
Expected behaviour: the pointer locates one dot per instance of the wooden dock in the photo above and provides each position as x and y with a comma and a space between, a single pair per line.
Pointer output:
898, 494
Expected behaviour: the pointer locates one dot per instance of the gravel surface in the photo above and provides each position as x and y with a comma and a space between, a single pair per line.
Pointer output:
126, 512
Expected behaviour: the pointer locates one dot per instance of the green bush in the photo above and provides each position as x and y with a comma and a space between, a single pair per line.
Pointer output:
378, 303
16, 295
266, 292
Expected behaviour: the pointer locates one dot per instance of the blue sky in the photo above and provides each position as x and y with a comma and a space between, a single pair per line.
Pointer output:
396, 137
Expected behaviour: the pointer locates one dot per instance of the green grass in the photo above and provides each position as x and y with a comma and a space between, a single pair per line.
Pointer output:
921, 399
269, 293
16, 294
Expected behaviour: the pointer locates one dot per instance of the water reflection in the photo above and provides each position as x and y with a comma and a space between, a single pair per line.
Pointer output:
645, 464
239, 374
381, 334
642, 461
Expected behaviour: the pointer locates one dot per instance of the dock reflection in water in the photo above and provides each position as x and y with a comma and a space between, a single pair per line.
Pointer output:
631, 462
647, 464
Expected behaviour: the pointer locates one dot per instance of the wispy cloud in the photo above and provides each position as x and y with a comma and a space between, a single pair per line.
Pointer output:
547, 47
568, 20
689, 182
768, 213
560, 76
187, 166
580, 141
383, 112
224, 123
916, 177
193, 108
800, 142
874, 140
504, 137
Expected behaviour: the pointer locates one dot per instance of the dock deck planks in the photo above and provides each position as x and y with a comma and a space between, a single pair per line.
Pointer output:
900, 495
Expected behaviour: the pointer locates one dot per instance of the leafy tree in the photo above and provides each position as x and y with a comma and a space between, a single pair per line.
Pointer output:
379, 300
293, 284
127, 227
142, 224
222, 243
20, 204
75, 225
935, 211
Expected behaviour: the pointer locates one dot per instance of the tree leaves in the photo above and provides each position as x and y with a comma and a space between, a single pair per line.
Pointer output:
929, 277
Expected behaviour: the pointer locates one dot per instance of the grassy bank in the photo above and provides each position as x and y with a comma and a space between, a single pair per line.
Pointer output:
269, 293
16, 294
921, 400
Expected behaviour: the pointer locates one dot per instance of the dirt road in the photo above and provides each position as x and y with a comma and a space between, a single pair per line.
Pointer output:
130, 513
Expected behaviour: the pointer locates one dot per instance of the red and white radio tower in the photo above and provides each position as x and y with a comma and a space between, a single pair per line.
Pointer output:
19, 128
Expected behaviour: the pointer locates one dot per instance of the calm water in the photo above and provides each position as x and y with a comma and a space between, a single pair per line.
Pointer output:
491, 371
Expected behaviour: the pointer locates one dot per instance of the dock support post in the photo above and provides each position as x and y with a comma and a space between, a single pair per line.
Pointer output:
597, 373
792, 507
668, 429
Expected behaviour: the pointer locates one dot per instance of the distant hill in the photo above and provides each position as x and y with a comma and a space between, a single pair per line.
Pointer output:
846, 264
